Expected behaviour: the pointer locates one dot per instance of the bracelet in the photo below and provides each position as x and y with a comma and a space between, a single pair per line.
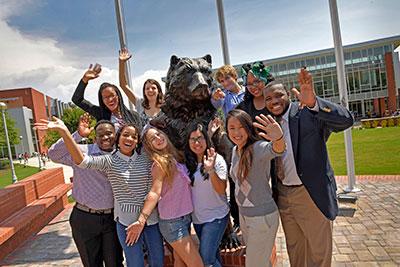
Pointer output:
145, 216
280, 138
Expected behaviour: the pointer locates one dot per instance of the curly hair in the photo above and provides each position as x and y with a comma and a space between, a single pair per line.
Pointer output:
226, 70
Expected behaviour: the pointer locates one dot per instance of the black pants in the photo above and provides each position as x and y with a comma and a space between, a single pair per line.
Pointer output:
232, 202
95, 236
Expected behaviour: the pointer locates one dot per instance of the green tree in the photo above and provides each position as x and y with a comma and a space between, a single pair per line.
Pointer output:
70, 118
13, 133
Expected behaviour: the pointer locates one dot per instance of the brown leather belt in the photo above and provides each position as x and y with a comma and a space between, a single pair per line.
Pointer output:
93, 211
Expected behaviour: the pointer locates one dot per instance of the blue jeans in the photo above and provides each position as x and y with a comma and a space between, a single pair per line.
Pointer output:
210, 236
151, 237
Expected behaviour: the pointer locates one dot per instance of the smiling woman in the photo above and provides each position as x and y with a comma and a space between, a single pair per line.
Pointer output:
256, 77
111, 106
128, 170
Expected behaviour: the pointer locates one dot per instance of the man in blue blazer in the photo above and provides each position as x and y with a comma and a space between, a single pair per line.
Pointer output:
303, 175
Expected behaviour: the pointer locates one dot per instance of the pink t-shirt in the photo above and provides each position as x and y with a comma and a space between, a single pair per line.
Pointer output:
176, 199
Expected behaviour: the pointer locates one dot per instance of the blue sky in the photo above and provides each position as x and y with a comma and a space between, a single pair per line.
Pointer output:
48, 44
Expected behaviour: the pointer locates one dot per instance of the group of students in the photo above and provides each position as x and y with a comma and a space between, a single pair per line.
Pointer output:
135, 187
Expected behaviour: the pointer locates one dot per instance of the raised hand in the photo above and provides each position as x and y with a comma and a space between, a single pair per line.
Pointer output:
272, 129
209, 160
84, 128
55, 125
124, 54
91, 73
306, 96
218, 94
133, 232
213, 126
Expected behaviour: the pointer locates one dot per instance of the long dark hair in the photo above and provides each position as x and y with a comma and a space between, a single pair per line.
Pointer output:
190, 156
246, 153
127, 115
160, 95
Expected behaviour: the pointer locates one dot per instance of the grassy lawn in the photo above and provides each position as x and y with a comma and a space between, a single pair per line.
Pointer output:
376, 151
21, 172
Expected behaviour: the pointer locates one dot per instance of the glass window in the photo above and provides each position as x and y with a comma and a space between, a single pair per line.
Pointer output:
282, 67
310, 62
350, 82
323, 60
356, 54
330, 59
303, 63
298, 64
356, 82
364, 53
374, 78
291, 66
388, 48
319, 88
383, 79
327, 83
364, 77
378, 51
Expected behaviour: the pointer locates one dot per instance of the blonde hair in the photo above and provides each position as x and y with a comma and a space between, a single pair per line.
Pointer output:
166, 158
226, 70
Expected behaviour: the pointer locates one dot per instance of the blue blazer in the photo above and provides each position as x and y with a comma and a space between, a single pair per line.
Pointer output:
309, 132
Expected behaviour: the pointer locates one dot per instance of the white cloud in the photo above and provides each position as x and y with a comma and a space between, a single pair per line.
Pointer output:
42, 63
33, 61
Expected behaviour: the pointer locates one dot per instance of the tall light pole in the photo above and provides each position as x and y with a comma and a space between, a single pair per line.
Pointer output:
222, 31
22, 143
3, 108
123, 42
37, 148
341, 75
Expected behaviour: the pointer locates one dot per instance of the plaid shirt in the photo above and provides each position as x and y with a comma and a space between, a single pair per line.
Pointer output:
91, 187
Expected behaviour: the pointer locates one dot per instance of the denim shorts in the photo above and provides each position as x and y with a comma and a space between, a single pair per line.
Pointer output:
175, 229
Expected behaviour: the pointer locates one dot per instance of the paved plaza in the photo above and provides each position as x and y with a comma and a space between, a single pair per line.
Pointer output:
370, 238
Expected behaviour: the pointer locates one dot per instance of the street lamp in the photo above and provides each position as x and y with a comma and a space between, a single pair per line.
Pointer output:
22, 144
37, 147
3, 108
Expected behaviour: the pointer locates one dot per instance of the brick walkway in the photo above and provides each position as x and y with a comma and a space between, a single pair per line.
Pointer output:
370, 238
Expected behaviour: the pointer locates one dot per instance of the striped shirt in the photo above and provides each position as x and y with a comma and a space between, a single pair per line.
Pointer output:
130, 179
91, 187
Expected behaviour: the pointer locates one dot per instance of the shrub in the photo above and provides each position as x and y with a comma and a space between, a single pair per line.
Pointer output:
4, 164
375, 123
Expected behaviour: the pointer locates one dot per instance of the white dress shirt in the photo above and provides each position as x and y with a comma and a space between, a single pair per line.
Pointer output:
289, 165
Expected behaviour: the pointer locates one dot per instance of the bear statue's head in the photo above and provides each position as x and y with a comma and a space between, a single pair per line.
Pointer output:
189, 78
187, 97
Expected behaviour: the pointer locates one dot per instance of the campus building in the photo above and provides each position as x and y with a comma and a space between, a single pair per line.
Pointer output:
26, 106
372, 73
